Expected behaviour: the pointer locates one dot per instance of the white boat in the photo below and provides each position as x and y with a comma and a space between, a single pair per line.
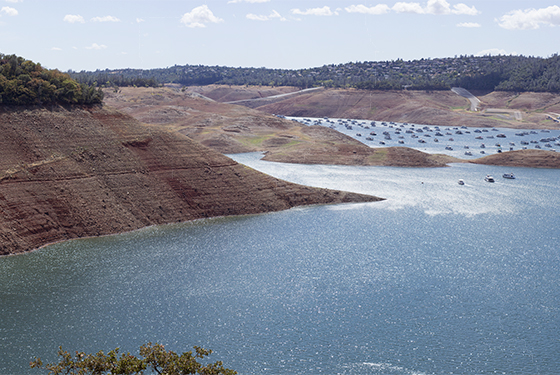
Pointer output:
461, 182
509, 176
489, 178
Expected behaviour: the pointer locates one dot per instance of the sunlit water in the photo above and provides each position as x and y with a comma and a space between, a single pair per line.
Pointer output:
438, 279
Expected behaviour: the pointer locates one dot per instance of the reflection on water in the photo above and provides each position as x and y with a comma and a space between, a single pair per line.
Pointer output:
437, 279
433, 190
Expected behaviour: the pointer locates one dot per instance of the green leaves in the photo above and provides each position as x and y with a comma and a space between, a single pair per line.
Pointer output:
154, 357
22, 82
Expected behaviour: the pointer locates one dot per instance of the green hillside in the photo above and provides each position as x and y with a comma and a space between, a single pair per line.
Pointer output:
23, 82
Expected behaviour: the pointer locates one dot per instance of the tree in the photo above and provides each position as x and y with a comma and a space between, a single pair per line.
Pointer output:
154, 359
23, 82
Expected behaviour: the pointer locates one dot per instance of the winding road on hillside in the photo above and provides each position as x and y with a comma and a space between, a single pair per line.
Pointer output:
466, 94
277, 96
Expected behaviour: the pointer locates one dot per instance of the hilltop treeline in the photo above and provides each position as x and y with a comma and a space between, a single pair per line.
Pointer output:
502, 73
23, 82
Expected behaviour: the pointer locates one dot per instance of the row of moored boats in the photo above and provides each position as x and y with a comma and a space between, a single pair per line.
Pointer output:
489, 178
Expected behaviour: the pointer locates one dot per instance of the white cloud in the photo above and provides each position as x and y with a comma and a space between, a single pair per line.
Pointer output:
493, 52
105, 19
73, 18
324, 11
468, 24
14, 1
56, 49
199, 17
375, 10
256, 17
97, 46
531, 18
138, 20
408, 8
9, 11
436, 7
464, 9
273, 15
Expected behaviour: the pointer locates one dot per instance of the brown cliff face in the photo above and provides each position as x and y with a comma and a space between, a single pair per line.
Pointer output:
79, 172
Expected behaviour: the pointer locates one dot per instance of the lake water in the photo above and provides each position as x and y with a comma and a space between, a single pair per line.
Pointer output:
438, 279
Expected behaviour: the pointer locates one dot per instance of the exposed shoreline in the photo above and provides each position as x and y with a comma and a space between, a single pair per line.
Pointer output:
79, 172
87, 172
199, 113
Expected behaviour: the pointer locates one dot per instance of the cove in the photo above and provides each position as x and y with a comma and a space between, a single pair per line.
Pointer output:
437, 279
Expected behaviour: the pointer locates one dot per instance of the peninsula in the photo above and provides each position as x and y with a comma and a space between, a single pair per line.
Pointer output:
82, 171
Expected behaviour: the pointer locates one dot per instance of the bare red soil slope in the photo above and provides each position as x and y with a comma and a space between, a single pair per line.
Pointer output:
71, 173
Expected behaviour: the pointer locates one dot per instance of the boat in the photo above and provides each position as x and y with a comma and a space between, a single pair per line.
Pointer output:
461, 182
489, 178
510, 176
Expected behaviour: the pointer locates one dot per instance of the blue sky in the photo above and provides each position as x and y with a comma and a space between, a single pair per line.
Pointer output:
99, 34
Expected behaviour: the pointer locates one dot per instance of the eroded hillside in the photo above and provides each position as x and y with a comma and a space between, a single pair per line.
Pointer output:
70, 173
233, 128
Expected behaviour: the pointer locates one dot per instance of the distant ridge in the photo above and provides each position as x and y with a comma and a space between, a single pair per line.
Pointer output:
486, 73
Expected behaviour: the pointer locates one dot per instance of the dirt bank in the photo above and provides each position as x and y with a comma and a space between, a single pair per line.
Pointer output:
238, 128
79, 172
445, 108
523, 158
229, 128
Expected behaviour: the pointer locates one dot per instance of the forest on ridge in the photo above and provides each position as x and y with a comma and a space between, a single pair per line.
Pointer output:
488, 73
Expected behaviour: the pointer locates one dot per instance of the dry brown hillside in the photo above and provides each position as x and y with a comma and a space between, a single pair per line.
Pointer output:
445, 108
523, 158
70, 173
232, 128
249, 126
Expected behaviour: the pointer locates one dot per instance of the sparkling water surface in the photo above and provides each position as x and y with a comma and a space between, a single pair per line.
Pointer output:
437, 279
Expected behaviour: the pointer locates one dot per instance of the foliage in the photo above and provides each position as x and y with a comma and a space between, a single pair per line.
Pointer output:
154, 359
23, 82
510, 73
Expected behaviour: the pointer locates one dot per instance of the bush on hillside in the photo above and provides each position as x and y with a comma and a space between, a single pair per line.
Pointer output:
23, 82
